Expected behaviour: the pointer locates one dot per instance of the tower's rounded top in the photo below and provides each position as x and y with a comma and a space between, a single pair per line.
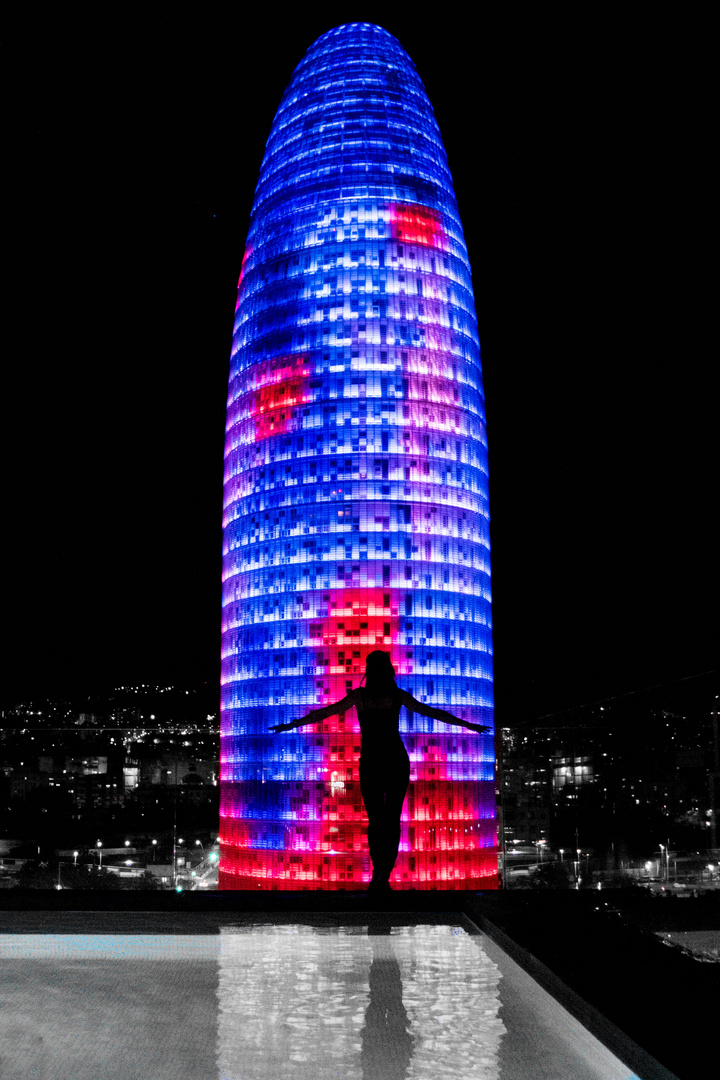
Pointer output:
355, 117
359, 30
361, 37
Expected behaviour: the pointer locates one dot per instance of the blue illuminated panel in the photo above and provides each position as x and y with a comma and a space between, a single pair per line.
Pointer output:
356, 487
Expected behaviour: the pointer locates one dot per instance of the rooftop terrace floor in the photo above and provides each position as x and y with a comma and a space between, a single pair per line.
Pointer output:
358, 991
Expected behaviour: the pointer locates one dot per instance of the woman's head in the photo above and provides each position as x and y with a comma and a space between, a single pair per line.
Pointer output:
379, 672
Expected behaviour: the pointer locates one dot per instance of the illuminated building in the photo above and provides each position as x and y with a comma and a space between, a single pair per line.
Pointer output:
356, 487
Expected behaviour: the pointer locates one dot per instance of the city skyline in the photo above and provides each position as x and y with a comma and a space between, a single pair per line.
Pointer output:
584, 229
149, 743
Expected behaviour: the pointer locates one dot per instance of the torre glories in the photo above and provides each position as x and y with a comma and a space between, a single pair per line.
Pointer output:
355, 488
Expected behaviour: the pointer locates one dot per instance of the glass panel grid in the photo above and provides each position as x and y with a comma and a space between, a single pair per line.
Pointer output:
355, 512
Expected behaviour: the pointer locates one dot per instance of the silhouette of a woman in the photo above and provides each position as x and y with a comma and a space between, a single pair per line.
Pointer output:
384, 762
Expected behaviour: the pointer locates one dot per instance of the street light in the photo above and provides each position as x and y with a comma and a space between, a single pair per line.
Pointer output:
154, 843
99, 847
175, 859
75, 855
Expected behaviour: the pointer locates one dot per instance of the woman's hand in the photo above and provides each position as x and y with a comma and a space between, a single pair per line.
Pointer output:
480, 728
282, 727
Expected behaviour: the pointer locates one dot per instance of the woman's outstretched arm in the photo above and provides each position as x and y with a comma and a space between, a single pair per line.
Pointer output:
316, 715
438, 714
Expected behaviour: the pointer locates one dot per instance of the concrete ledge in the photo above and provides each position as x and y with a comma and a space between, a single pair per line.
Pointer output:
644, 1065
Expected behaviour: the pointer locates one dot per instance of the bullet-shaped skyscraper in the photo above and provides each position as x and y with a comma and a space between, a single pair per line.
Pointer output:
356, 487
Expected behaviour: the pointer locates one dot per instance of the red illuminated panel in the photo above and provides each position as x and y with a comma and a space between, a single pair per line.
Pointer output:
360, 621
417, 224
279, 386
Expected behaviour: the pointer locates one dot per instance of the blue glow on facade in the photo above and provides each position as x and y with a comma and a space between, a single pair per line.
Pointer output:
356, 486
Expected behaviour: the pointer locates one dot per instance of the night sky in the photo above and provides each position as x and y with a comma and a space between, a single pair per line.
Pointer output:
580, 148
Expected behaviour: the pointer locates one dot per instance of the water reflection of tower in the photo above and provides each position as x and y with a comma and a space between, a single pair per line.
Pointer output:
356, 494
363, 1002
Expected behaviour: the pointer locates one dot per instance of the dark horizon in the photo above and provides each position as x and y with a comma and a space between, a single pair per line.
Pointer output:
582, 180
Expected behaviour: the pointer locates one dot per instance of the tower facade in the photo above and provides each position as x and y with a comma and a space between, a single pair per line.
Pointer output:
355, 510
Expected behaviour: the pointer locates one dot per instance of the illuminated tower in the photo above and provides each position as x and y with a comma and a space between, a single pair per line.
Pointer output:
356, 487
